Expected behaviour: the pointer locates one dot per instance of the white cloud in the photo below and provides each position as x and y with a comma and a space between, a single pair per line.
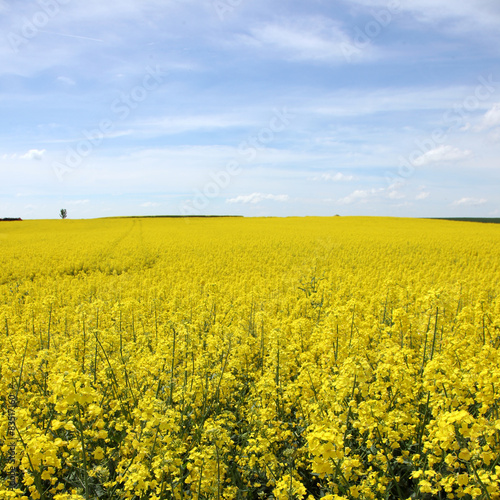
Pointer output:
313, 38
483, 13
148, 204
395, 195
65, 80
257, 198
440, 154
333, 177
178, 124
494, 135
365, 195
350, 103
359, 195
78, 202
423, 195
33, 154
491, 118
470, 202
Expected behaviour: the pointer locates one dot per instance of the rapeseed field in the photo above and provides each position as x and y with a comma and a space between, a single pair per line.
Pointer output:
299, 358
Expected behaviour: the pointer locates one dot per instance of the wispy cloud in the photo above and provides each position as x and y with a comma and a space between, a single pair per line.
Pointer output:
470, 202
303, 39
423, 195
360, 195
150, 204
491, 118
66, 80
257, 198
434, 11
445, 153
78, 202
33, 154
395, 195
338, 177
194, 122
374, 195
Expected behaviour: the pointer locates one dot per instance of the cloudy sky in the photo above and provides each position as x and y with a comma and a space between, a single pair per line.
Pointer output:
250, 107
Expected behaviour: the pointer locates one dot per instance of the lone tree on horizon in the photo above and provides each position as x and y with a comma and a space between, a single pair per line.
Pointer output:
63, 213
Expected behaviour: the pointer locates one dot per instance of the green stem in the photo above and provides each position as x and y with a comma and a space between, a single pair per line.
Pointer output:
84, 454
434, 335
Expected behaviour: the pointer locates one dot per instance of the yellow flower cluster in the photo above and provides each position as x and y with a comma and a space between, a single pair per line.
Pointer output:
300, 358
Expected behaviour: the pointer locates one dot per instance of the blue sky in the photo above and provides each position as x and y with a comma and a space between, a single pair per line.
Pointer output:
250, 107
